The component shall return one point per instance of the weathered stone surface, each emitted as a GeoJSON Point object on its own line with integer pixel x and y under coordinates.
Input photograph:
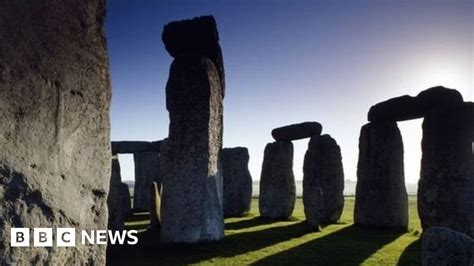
{"type": "Point", "coordinates": [277, 181]}
{"type": "Point", "coordinates": [54, 136]}
{"type": "Point", "coordinates": [197, 36]}
{"type": "Point", "coordinates": [135, 146]}
{"type": "Point", "coordinates": [446, 186]}
{"type": "Point", "coordinates": [297, 131]}
{"type": "Point", "coordinates": [147, 170]}
{"type": "Point", "coordinates": [115, 199]}
{"type": "Point", "coordinates": [191, 209]}
{"type": "Point", "coordinates": [407, 107]}
{"type": "Point", "coordinates": [381, 197]}
{"type": "Point", "coordinates": [313, 205]}
{"type": "Point", "coordinates": [125, 194]}
{"type": "Point", "coordinates": [323, 170]}
{"type": "Point", "coordinates": [155, 205]}
{"type": "Point", "coordinates": [237, 181]}
{"type": "Point", "coordinates": [442, 246]}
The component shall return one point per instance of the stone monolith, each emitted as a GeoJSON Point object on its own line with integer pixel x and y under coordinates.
{"type": "Point", "coordinates": [191, 206]}
{"type": "Point", "coordinates": [237, 181]}
{"type": "Point", "coordinates": [147, 170]}
{"type": "Point", "coordinates": [381, 197]}
{"type": "Point", "coordinates": [446, 185]}
{"type": "Point", "coordinates": [323, 170]}
{"type": "Point", "coordinates": [277, 181]}
{"type": "Point", "coordinates": [155, 205]}
{"type": "Point", "coordinates": [126, 202]}
{"type": "Point", "coordinates": [115, 199]}
{"type": "Point", "coordinates": [443, 246]}
{"type": "Point", "coordinates": [55, 155]}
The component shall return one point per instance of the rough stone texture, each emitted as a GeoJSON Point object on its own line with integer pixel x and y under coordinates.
{"type": "Point", "coordinates": [442, 246]}
{"type": "Point", "coordinates": [147, 170]}
{"type": "Point", "coordinates": [126, 202]}
{"type": "Point", "coordinates": [313, 204]}
{"type": "Point", "coordinates": [407, 107]}
{"type": "Point", "coordinates": [135, 146]}
{"type": "Point", "coordinates": [381, 197]}
{"type": "Point", "coordinates": [323, 170]}
{"type": "Point", "coordinates": [297, 131]}
{"type": "Point", "coordinates": [237, 181]}
{"type": "Point", "coordinates": [197, 36]}
{"type": "Point", "coordinates": [155, 205]}
{"type": "Point", "coordinates": [191, 209]}
{"type": "Point", "coordinates": [446, 186]}
{"type": "Point", "coordinates": [54, 137]}
{"type": "Point", "coordinates": [277, 181]}
{"type": "Point", "coordinates": [115, 204]}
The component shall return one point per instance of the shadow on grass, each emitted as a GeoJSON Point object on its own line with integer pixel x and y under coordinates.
{"type": "Point", "coordinates": [348, 246]}
{"type": "Point", "coordinates": [411, 255]}
{"type": "Point", "coordinates": [150, 249]}
{"type": "Point", "coordinates": [256, 221]}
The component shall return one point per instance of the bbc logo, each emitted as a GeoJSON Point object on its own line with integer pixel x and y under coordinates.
{"type": "Point", "coordinates": [43, 237]}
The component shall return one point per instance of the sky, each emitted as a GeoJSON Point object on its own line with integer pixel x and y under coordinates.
{"type": "Point", "coordinates": [293, 61]}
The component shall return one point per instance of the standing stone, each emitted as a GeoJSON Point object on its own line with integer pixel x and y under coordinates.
{"type": "Point", "coordinates": [237, 181]}
{"type": "Point", "coordinates": [323, 170]}
{"type": "Point", "coordinates": [277, 181]}
{"type": "Point", "coordinates": [381, 197]}
{"type": "Point", "coordinates": [192, 207]}
{"type": "Point", "coordinates": [313, 204]}
{"type": "Point", "coordinates": [147, 170]}
{"type": "Point", "coordinates": [115, 204]}
{"type": "Point", "coordinates": [446, 186]}
{"type": "Point", "coordinates": [442, 246]}
{"type": "Point", "coordinates": [297, 131]}
{"type": "Point", "coordinates": [126, 202]}
{"type": "Point", "coordinates": [54, 135]}
{"type": "Point", "coordinates": [197, 36]}
{"type": "Point", "coordinates": [155, 205]}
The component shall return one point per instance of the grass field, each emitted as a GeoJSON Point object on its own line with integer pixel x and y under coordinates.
{"type": "Point", "coordinates": [251, 240]}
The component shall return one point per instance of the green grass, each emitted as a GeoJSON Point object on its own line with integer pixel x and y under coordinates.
{"type": "Point", "coordinates": [251, 240]}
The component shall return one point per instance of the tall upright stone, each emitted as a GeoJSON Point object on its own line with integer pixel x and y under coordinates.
{"type": "Point", "coordinates": [115, 199]}
{"type": "Point", "coordinates": [381, 197]}
{"type": "Point", "coordinates": [277, 181]}
{"type": "Point", "coordinates": [237, 181]}
{"type": "Point", "coordinates": [191, 209]}
{"type": "Point", "coordinates": [126, 199]}
{"type": "Point", "coordinates": [155, 205]}
{"type": "Point", "coordinates": [443, 246]}
{"type": "Point", "coordinates": [147, 171]}
{"type": "Point", "coordinates": [197, 36]}
{"type": "Point", "coordinates": [323, 170]}
{"type": "Point", "coordinates": [54, 135]}
{"type": "Point", "coordinates": [446, 186]}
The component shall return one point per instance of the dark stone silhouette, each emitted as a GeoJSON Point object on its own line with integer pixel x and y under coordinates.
{"type": "Point", "coordinates": [115, 198]}
{"type": "Point", "coordinates": [237, 181]}
{"type": "Point", "coordinates": [407, 107]}
{"type": "Point", "coordinates": [313, 204]}
{"type": "Point", "coordinates": [277, 181]}
{"type": "Point", "coordinates": [297, 131]}
{"type": "Point", "coordinates": [147, 170]}
{"type": "Point", "coordinates": [323, 170]}
{"type": "Point", "coordinates": [446, 186]}
{"type": "Point", "coordinates": [155, 205]}
{"type": "Point", "coordinates": [381, 197]}
{"type": "Point", "coordinates": [191, 209]}
{"type": "Point", "coordinates": [442, 246]}
{"type": "Point", "coordinates": [54, 108]}
{"type": "Point", "coordinates": [197, 36]}
{"type": "Point", "coordinates": [135, 146]}
{"type": "Point", "coordinates": [125, 194]}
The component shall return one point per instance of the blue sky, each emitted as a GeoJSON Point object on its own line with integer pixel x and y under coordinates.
{"type": "Point", "coordinates": [293, 61]}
